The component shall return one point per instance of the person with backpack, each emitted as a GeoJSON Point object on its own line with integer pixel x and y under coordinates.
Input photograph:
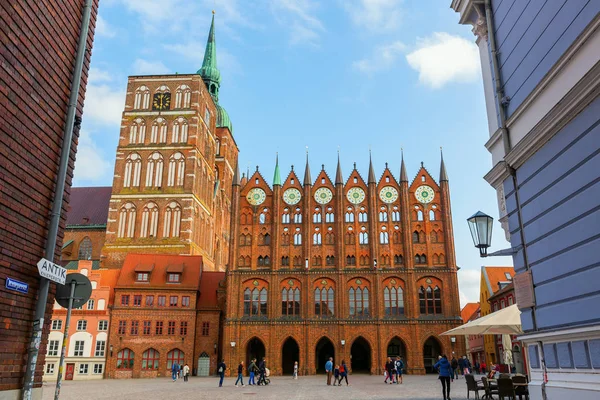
{"type": "Point", "coordinates": [221, 367]}
{"type": "Point", "coordinates": [174, 371]}
{"type": "Point", "coordinates": [252, 370]}
{"type": "Point", "coordinates": [445, 375]}
{"type": "Point", "coordinates": [343, 373]}
{"type": "Point", "coordinates": [399, 368]}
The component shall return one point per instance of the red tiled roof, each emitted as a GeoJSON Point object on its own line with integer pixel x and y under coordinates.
{"type": "Point", "coordinates": [467, 312]}
{"type": "Point", "coordinates": [497, 274]}
{"type": "Point", "coordinates": [208, 289]}
{"type": "Point", "coordinates": [190, 277]}
{"type": "Point", "coordinates": [88, 206]}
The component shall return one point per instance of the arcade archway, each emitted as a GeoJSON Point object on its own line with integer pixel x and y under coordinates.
{"type": "Point", "coordinates": [431, 351]}
{"type": "Point", "coordinates": [254, 349]}
{"type": "Point", "coordinates": [323, 351]}
{"type": "Point", "coordinates": [396, 348]}
{"type": "Point", "coordinates": [360, 356]}
{"type": "Point", "coordinates": [290, 353]}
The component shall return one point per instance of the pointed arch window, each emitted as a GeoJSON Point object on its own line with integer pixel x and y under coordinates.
{"type": "Point", "coordinates": [176, 174]}
{"type": "Point", "coordinates": [317, 216]}
{"type": "Point", "coordinates": [142, 98]}
{"type": "Point", "coordinates": [419, 215]}
{"type": "Point", "coordinates": [285, 239]}
{"type": "Point", "coordinates": [350, 238]}
{"type": "Point", "coordinates": [434, 237]}
{"type": "Point", "coordinates": [329, 217]}
{"type": "Point", "coordinates": [285, 261]}
{"type": "Point", "coordinates": [133, 170]}
{"type": "Point", "coordinates": [137, 131]}
{"type": "Point", "coordinates": [317, 261]}
{"type": "Point", "coordinates": [285, 217]}
{"type": "Point", "coordinates": [149, 221]}
{"type": "Point", "coordinates": [125, 358]}
{"type": "Point", "coordinates": [363, 217]}
{"type": "Point", "coordinates": [127, 221]}
{"type": "Point", "coordinates": [329, 238]}
{"type": "Point", "coordinates": [172, 222]}
{"type": "Point", "coordinates": [384, 238]}
{"type": "Point", "coordinates": [350, 260]}
{"type": "Point", "coordinates": [255, 302]}
{"type": "Point", "coordinates": [264, 239]}
{"type": "Point", "coordinates": [397, 237]}
{"type": "Point", "coordinates": [430, 300]}
{"type": "Point", "coordinates": [330, 260]}
{"type": "Point", "coordinates": [324, 302]}
{"type": "Point", "coordinates": [358, 299]}
{"type": "Point", "coordinates": [398, 259]}
{"type": "Point", "coordinates": [317, 238]}
{"type": "Point", "coordinates": [173, 356]}
{"type": "Point", "coordinates": [290, 302]}
{"type": "Point", "coordinates": [85, 249]}
{"type": "Point", "coordinates": [180, 131]}
{"type": "Point", "coordinates": [393, 298]}
{"type": "Point", "coordinates": [383, 216]}
{"type": "Point", "coordinates": [415, 237]}
{"type": "Point", "coordinates": [150, 359]}
{"type": "Point", "coordinates": [263, 218]}
{"type": "Point", "coordinates": [298, 217]}
{"type": "Point", "coordinates": [154, 170]}
{"type": "Point", "coordinates": [349, 216]}
{"type": "Point", "coordinates": [183, 96]}
{"type": "Point", "coordinates": [363, 238]}
{"type": "Point", "coordinates": [297, 239]}
{"type": "Point", "coordinates": [158, 134]}
{"type": "Point", "coordinates": [431, 215]}
{"type": "Point", "coordinates": [396, 216]}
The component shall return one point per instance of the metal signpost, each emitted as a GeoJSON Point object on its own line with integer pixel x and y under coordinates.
{"type": "Point", "coordinates": [75, 293]}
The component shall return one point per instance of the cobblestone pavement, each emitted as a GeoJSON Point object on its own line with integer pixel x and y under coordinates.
{"type": "Point", "coordinates": [310, 387]}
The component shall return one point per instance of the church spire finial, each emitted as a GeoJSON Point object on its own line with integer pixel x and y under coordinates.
{"type": "Point", "coordinates": [307, 178]}
{"type": "Point", "coordinates": [338, 175]}
{"type": "Point", "coordinates": [209, 71]}
{"type": "Point", "coordinates": [371, 172]}
{"type": "Point", "coordinates": [276, 176]}
{"type": "Point", "coordinates": [403, 176]}
{"type": "Point", "coordinates": [443, 176]}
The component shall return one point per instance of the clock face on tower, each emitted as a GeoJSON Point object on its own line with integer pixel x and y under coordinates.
{"type": "Point", "coordinates": [388, 194]}
{"type": "Point", "coordinates": [323, 195]}
{"type": "Point", "coordinates": [162, 101]}
{"type": "Point", "coordinates": [292, 196]}
{"type": "Point", "coordinates": [256, 196]}
{"type": "Point", "coordinates": [356, 195]}
{"type": "Point", "coordinates": [424, 194]}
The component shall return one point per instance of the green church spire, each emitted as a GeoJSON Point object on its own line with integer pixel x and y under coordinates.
{"type": "Point", "coordinates": [276, 176]}
{"type": "Point", "coordinates": [209, 71]}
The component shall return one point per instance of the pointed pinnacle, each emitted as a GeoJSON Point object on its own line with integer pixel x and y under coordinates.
{"type": "Point", "coordinates": [403, 176]}
{"type": "Point", "coordinates": [443, 176]}
{"type": "Point", "coordinates": [307, 178]}
{"type": "Point", "coordinates": [236, 175]}
{"type": "Point", "coordinates": [371, 172]}
{"type": "Point", "coordinates": [276, 175]}
{"type": "Point", "coordinates": [338, 175]}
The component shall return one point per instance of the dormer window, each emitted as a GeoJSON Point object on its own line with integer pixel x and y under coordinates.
{"type": "Point", "coordinates": [507, 275]}
{"type": "Point", "coordinates": [142, 277]}
{"type": "Point", "coordinates": [173, 278]}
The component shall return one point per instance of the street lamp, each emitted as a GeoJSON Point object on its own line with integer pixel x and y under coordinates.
{"type": "Point", "coordinates": [343, 342]}
{"type": "Point", "coordinates": [480, 225]}
{"type": "Point", "coordinates": [232, 344]}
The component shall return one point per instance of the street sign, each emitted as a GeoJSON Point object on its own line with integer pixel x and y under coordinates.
{"type": "Point", "coordinates": [52, 271]}
{"type": "Point", "coordinates": [16, 285]}
{"type": "Point", "coordinates": [82, 293]}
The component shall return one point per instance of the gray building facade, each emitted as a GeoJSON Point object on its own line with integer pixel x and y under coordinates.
{"type": "Point", "coordinates": [541, 70]}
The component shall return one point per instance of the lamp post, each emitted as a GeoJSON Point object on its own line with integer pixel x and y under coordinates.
{"type": "Point", "coordinates": [480, 225]}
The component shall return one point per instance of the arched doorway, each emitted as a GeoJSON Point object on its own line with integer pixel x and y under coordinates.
{"type": "Point", "coordinates": [360, 356]}
{"type": "Point", "coordinates": [254, 349]}
{"type": "Point", "coordinates": [290, 353]}
{"type": "Point", "coordinates": [396, 348]}
{"type": "Point", "coordinates": [431, 351]}
{"type": "Point", "coordinates": [323, 351]}
{"type": "Point", "coordinates": [203, 364]}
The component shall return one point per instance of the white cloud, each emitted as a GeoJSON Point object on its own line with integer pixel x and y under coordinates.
{"type": "Point", "coordinates": [143, 67]}
{"type": "Point", "coordinates": [90, 164]}
{"type": "Point", "coordinates": [103, 103]}
{"type": "Point", "coordinates": [103, 28]}
{"type": "Point", "coordinates": [383, 58]}
{"type": "Point", "coordinates": [443, 58]}
{"type": "Point", "coordinates": [468, 282]}
{"type": "Point", "coordinates": [375, 15]}
{"type": "Point", "coordinates": [298, 15]}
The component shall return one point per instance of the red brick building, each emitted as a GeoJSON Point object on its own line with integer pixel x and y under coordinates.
{"type": "Point", "coordinates": [166, 310]}
{"type": "Point", "coordinates": [38, 45]}
{"type": "Point", "coordinates": [351, 269]}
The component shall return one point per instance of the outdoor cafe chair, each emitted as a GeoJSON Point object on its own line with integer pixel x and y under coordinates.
{"type": "Point", "coordinates": [489, 391]}
{"type": "Point", "coordinates": [521, 389]}
{"type": "Point", "coordinates": [506, 389]}
{"type": "Point", "coordinates": [472, 386]}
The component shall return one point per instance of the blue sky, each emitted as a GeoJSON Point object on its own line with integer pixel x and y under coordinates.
{"type": "Point", "coordinates": [327, 74]}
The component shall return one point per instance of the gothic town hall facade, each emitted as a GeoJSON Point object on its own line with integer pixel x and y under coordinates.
{"type": "Point", "coordinates": [308, 267]}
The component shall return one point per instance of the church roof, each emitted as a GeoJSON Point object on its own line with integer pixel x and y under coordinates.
{"type": "Point", "coordinates": [223, 120]}
{"type": "Point", "coordinates": [209, 70]}
{"type": "Point", "coordinates": [88, 206]}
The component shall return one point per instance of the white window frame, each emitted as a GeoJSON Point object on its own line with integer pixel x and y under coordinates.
{"type": "Point", "coordinates": [82, 325]}
{"type": "Point", "coordinates": [83, 369]}
{"type": "Point", "coordinates": [79, 348]}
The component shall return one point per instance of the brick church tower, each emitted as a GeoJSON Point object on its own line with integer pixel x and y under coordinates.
{"type": "Point", "coordinates": [174, 168]}
{"type": "Point", "coordinates": [351, 269]}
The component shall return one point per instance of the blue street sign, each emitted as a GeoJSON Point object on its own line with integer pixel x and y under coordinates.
{"type": "Point", "coordinates": [16, 285]}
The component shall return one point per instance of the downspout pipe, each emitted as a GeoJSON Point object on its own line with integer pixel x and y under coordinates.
{"type": "Point", "coordinates": [57, 201]}
{"type": "Point", "coordinates": [502, 101]}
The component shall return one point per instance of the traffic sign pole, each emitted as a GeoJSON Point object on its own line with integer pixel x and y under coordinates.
{"type": "Point", "coordinates": [65, 341]}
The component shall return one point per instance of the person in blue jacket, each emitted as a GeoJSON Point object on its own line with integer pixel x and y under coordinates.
{"type": "Point", "coordinates": [443, 365]}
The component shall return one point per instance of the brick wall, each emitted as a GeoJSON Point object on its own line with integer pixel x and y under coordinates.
{"type": "Point", "coordinates": [37, 54]}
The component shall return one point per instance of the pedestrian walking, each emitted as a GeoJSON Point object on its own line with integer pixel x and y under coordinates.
{"type": "Point", "coordinates": [252, 369]}
{"type": "Point", "coordinates": [483, 367]}
{"type": "Point", "coordinates": [329, 370]}
{"type": "Point", "coordinates": [467, 365]}
{"type": "Point", "coordinates": [343, 373]}
{"type": "Point", "coordinates": [174, 371]}
{"type": "Point", "coordinates": [296, 370]}
{"type": "Point", "coordinates": [336, 374]}
{"type": "Point", "coordinates": [186, 372]}
{"type": "Point", "coordinates": [221, 371]}
{"type": "Point", "coordinates": [389, 368]}
{"type": "Point", "coordinates": [399, 368]}
{"type": "Point", "coordinates": [445, 375]}
{"type": "Point", "coordinates": [454, 365]}
{"type": "Point", "coordinates": [240, 377]}
{"type": "Point", "coordinates": [262, 368]}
